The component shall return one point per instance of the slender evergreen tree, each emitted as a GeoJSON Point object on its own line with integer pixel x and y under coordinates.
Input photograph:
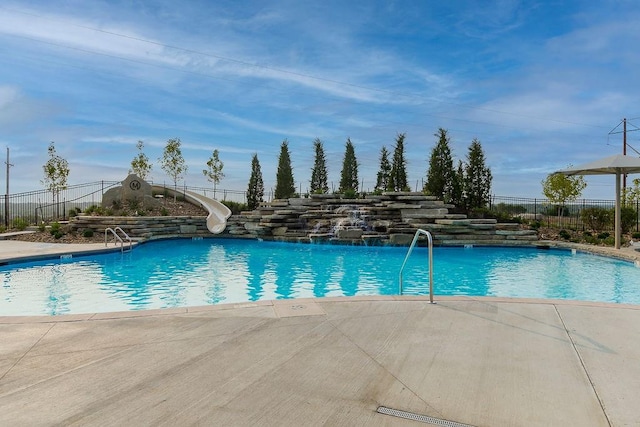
{"type": "Point", "coordinates": [255, 190]}
{"type": "Point", "coordinates": [285, 186]}
{"type": "Point", "coordinates": [477, 178]}
{"type": "Point", "coordinates": [441, 175]}
{"type": "Point", "coordinates": [384, 173]}
{"type": "Point", "coordinates": [318, 184]}
{"type": "Point", "coordinates": [349, 175]}
{"type": "Point", "coordinates": [398, 176]}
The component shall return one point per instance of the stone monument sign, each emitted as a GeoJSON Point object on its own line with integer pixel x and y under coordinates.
{"type": "Point", "coordinates": [133, 189]}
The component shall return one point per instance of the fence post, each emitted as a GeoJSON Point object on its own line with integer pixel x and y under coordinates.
{"type": "Point", "coordinates": [6, 210]}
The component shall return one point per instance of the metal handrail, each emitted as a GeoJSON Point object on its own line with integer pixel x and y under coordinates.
{"type": "Point", "coordinates": [413, 243]}
{"type": "Point", "coordinates": [115, 234]}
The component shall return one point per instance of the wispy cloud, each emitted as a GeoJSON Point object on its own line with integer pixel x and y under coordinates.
{"type": "Point", "coordinates": [538, 83]}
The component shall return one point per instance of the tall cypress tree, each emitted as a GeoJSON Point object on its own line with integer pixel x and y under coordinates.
{"type": "Point", "coordinates": [441, 175]}
{"type": "Point", "coordinates": [384, 173]}
{"type": "Point", "coordinates": [349, 175]}
{"type": "Point", "coordinates": [477, 179]}
{"type": "Point", "coordinates": [285, 187]}
{"type": "Point", "coordinates": [398, 176]}
{"type": "Point", "coordinates": [318, 184]}
{"type": "Point", "coordinates": [255, 189]}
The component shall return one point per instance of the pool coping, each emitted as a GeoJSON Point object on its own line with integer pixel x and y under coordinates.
{"type": "Point", "coordinates": [296, 307]}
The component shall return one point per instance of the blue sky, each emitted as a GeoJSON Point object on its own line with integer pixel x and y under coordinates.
{"type": "Point", "coordinates": [540, 83]}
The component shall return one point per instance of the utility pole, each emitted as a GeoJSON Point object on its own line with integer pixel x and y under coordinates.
{"type": "Point", "coordinates": [624, 131]}
{"type": "Point", "coordinates": [6, 195]}
{"type": "Point", "coordinates": [624, 150]}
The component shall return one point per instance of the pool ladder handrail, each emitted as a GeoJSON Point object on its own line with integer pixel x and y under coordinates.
{"type": "Point", "coordinates": [413, 243]}
{"type": "Point", "coordinates": [114, 231]}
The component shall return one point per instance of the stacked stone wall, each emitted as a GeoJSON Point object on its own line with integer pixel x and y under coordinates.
{"type": "Point", "coordinates": [389, 218]}
{"type": "Point", "coordinates": [143, 227]}
{"type": "Point", "coordinates": [386, 219]}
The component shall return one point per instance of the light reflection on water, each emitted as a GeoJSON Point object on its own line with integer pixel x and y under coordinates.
{"type": "Point", "coordinates": [179, 273]}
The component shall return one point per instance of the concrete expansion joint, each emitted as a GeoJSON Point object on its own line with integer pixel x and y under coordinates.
{"type": "Point", "coordinates": [26, 352]}
{"type": "Point", "coordinates": [582, 364]}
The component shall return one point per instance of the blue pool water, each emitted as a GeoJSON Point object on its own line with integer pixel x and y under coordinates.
{"type": "Point", "coordinates": [178, 273]}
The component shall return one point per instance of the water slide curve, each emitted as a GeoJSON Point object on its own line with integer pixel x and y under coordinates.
{"type": "Point", "coordinates": [218, 213]}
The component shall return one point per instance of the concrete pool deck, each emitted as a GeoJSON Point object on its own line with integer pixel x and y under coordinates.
{"type": "Point", "coordinates": [334, 361]}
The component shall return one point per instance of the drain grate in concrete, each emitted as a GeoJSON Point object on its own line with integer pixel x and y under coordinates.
{"type": "Point", "coordinates": [417, 417]}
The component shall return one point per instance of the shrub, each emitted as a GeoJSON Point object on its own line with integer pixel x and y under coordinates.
{"type": "Point", "coordinates": [87, 233]}
{"type": "Point", "coordinates": [628, 218]}
{"type": "Point", "coordinates": [591, 239]}
{"type": "Point", "coordinates": [55, 227]}
{"type": "Point", "coordinates": [596, 218]}
{"type": "Point", "coordinates": [235, 207]}
{"type": "Point", "coordinates": [603, 235]}
{"type": "Point", "coordinates": [19, 224]}
{"type": "Point", "coordinates": [95, 210]}
{"type": "Point", "coordinates": [564, 234]}
{"type": "Point", "coordinates": [56, 230]}
{"type": "Point", "coordinates": [350, 193]}
{"type": "Point", "coordinates": [134, 204]}
{"type": "Point", "coordinates": [636, 235]}
{"type": "Point", "coordinates": [164, 212]}
{"type": "Point", "coordinates": [42, 227]}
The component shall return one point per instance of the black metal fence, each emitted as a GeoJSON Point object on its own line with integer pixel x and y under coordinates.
{"type": "Point", "coordinates": [568, 215]}
{"type": "Point", "coordinates": [35, 207]}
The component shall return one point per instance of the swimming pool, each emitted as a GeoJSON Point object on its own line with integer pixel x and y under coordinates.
{"type": "Point", "coordinates": [182, 272]}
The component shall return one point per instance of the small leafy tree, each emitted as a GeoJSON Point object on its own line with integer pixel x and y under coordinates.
{"type": "Point", "coordinates": [384, 173]}
{"type": "Point", "coordinates": [398, 176]}
{"type": "Point", "coordinates": [477, 178]}
{"type": "Point", "coordinates": [255, 190]}
{"type": "Point", "coordinates": [172, 162]}
{"type": "Point", "coordinates": [349, 175]}
{"type": "Point", "coordinates": [560, 188]}
{"type": "Point", "coordinates": [285, 187]}
{"type": "Point", "coordinates": [56, 172]}
{"type": "Point", "coordinates": [319, 174]}
{"type": "Point", "coordinates": [140, 164]}
{"type": "Point", "coordinates": [214, 173]}
{"type": "Point", "coordinates": [441, 175]}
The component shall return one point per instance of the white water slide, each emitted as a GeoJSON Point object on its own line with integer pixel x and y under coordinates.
{"type": "Point", "coordinates": [218, 213]}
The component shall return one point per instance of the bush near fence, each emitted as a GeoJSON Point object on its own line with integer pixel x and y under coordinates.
{"type": "Point", "coordinates": [574, 215]}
